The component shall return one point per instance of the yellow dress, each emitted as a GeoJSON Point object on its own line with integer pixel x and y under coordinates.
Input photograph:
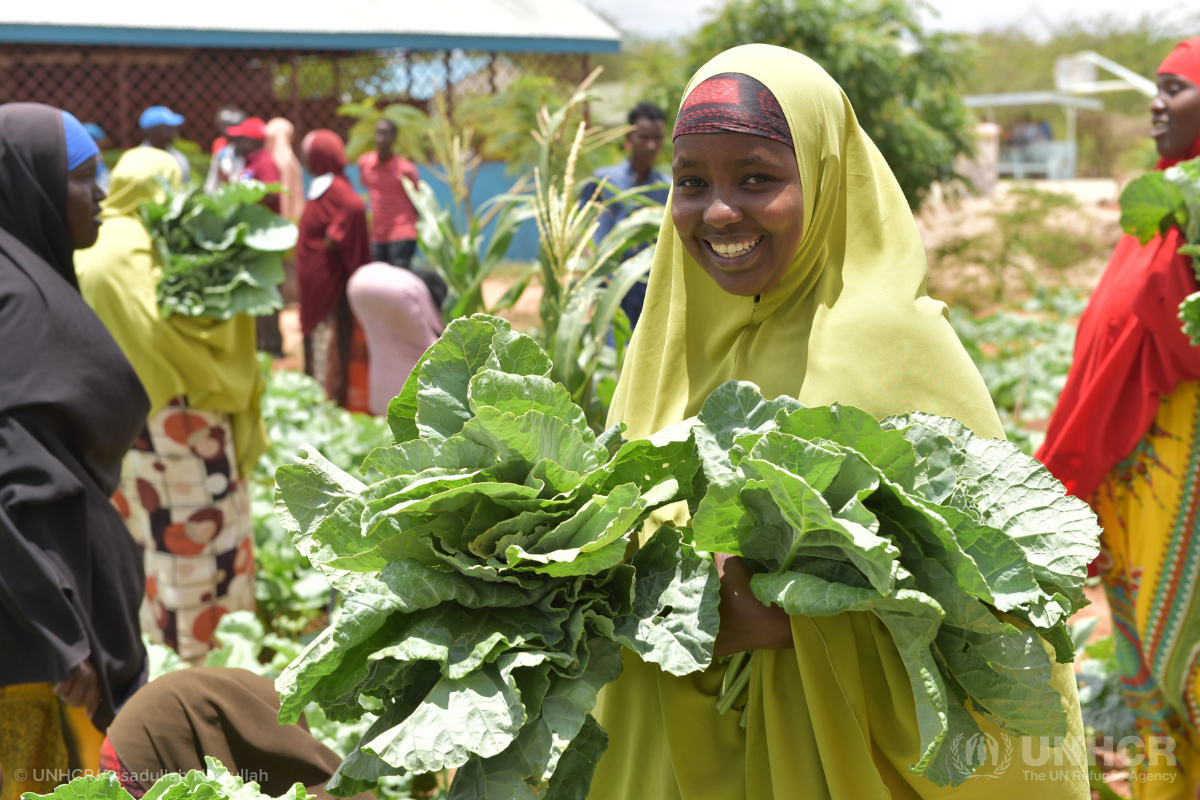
{"type": "Point", "coordinates": [1149, 562]}
{"type": "Point", "coordinates": [834, 717]}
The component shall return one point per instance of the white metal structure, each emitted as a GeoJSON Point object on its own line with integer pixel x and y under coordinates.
{"type": "Point", "coordinates": [1077, 74]}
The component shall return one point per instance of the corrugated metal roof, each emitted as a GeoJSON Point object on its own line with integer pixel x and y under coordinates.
{"type": "Point", "coordinates": [562, 26]}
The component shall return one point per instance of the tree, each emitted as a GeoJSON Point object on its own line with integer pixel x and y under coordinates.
{"type": "Point", "coordinates": [903, 81]}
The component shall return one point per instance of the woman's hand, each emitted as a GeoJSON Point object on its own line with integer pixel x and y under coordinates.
{"type": "Point", "coordinates": [746, 623]}
{"type": "Point", "coordinates": [330, 245]}
{"type": "Point", "coordinates": [81, 688]}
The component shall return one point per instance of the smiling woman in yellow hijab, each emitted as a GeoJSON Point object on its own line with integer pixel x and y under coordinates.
{"type": "Point", "coordinates": [183, 491]}
{"type": "Point", "coordinates": [790, 259]}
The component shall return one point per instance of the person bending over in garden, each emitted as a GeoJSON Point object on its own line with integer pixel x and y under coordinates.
{"type": "Point", "coordinates": [183, 490]}
{"type": "Point", "coordinates": [226, 713]}
{"type": "Point", "coordinates": [393, 215]}
{"type": "Point", "coordinates": [1124, 437]}
{"type": "Point", "coordinates": [400, 319]}
{"type": "Point", "coordinates": [333, 244]}
{"type": "Point", "coordinates": [70, 408]}
{"type": "Point", "coordinates": [790, 259]}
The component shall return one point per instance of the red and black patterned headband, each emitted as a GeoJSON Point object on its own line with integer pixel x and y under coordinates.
{"type": "Point", "coordinates": [733, 103]}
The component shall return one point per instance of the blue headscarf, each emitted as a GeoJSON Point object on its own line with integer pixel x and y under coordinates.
{"type": "Point", "coordinates": [80, 144]}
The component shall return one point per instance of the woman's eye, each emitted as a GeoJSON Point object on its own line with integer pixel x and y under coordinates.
{"type": "Point", "coordinates": [690, 183]}
{"type": "Point", "coordinates": [756, 180]}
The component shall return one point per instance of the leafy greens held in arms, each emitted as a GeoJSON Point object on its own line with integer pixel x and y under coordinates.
{"type": "Point", "coordinates": [487, 586]}
{"type": "Point", "coordinates": [1151, 204]}
{"type": "Point", "coordinates": [215, 783]}
{"type": "Point", "coordinates": [222, 254]}
{"type": "Point", "coordinates": [921, 522]}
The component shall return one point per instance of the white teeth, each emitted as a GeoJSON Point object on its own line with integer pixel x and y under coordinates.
{"type": "Point", "coordinates": [735, 249]}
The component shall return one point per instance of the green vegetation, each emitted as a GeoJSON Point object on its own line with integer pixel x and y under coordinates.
{"type": "Point", "coordinates": [1023, 354]}
{"type": "Point", "coordinates": [488, 591]}
{"type": "Point", "coordinates": [216, 783]}
{"type": "Point", "coordinates": [292, 596]}
{"type": "Point", "coordinates": [1023, 242]}
{"type": "Point", "coordinates": [1153, 203]}
{"type": "Point", "coordinates": [222, 254]}
{"type": "Point", "coordinates": [921, 522]}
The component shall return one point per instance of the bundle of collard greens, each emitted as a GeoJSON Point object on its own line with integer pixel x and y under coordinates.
{"type": "Point", "coordinates": [923, 523]}
{"type": "Point", "coordinates": [487, 588]}
{"type": "Point", "coordinates": [215, 783]}
{"type": "Point", "coordinates": [1153, 203]}
{"type": "Point", "coordinates": [222, 254]}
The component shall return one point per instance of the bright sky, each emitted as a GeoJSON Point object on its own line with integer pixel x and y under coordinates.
{"type": "Point", "coordinates": [656, 18]}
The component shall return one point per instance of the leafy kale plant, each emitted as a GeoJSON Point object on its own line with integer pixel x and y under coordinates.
{"type": "Point", "coordinates": [222, 254]}
{"type": "Point", "coordinates": [1151, 204]}
{"type": "Point", "coordinates": [215, 783]}
{"type": "Point", "coordinates": [921, 522]}
{"type": "Point", "coordinates": [487, 585]}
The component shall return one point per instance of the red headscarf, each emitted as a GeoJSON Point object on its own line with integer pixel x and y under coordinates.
{"type": "Point", "coordinates": [338, 214]}
{"type": "Point", "coordinates": [325, 152]}
{"type": "Point", "coordinates": [1183, 61]}
{"type": "Point", "coordinates": [1130, 351]}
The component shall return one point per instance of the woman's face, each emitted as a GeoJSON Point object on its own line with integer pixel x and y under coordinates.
{"type": "Point", "coordinates": [83, 204]}
{"type": "Point", "coordinates": [1175, 115]}
{"type": "Point", "coordinates": [738, 207]}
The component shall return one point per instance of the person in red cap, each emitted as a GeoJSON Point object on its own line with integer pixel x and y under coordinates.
{"type": "Point", "coordinates": [1124, 437]}
{"type": "Point", "coordinates": [248, 138]}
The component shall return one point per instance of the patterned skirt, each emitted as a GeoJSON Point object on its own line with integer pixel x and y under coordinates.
{"type": "Point", "coordinates": [184, 504]}
{"type": "Point", "coordinates": [1149, 563]}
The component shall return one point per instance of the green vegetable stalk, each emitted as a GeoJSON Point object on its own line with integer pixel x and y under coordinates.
{"type": "Point", "coordinates": [222, 254]}
{"type": "Point", "coordinates": [919, 521]}
{"type": "Point", "coordinates": [487, 577]}
{"type": "Point", "coordinates": [1151, 204]}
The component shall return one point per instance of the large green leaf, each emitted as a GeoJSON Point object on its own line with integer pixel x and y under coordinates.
{"type": "Point", "coordinates": [1017, 495]}
{"type": "Point", "coordinates": [734, 409]}
{"type": "Point", "coordinates": [812, 525]}
{"type": "Point", "coordinates": [461, 351]}
{"type": "Point", "coordinates": [478, 715]}
{"type": "Point", "coordinates": [1149, 205]}
{"type": "Point", "coordinates": [674, 619]}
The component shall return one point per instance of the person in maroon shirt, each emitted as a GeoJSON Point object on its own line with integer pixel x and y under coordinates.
{"type": "Point", "coordinates": [333, 243]}
{"type": "Point", "coordinates": [248, 138]}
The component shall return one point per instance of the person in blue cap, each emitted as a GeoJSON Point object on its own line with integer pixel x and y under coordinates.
{"type": "Point", "coordinates": [160, 127]}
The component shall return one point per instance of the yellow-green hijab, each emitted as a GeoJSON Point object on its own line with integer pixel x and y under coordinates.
{"type": "Point", "coordinates": [850, 321]}
{"type": "Point", "coordinates": [832, 718]}
{"type": "Point", "coordinates": [212, 363]}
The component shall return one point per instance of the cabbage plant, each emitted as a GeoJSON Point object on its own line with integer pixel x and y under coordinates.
{"type": "Point", "coordinates": [221, 254]}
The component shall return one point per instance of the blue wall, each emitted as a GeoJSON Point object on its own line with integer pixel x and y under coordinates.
{"type": "Point", "coordinates": [492, 179]}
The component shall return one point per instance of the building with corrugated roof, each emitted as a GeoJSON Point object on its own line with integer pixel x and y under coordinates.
{"type": "Point", "coordinates": [300, 59]}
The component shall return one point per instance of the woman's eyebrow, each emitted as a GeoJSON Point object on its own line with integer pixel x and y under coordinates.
{"type": "Point", "coordinates": [686, 163]}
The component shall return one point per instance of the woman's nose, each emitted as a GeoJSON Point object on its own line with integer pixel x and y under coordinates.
{"type": "Point", "coordinates": [1158, 104]}
{"type": "Point", "coordinates": [719, 214]}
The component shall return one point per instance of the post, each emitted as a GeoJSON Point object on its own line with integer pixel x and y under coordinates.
{"type": "Point", "coordinates": [492, 74]}
{"type": "Point", "coordinates": [1071, 112]}
{"type": "Point", "coordinates": [296, 121]}
{"type": "Point", "coordinates": [449, 84]}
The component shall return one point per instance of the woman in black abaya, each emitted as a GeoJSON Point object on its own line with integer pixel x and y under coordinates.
{"type": "Point", "coordinates": [70, 408]}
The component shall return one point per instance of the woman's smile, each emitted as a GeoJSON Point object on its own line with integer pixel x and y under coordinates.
{"type": "Point", "coordinates": [731, 252]}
